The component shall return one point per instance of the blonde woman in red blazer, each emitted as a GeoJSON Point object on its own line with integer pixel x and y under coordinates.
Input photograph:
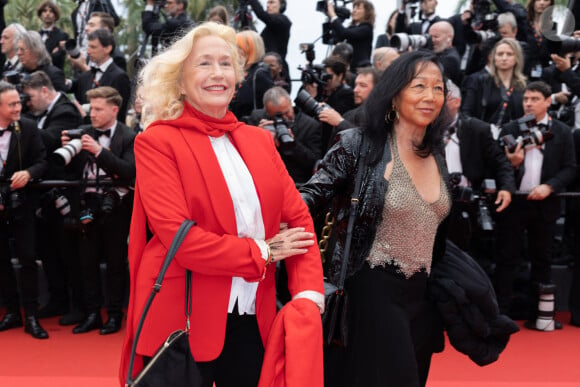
{"type": "Point", "coordinates": [196, 161]}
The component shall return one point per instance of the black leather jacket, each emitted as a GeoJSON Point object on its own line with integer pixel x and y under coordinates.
{"type": "Point", "coordinates": [334, 181]}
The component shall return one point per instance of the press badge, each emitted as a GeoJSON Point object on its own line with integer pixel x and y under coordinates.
{"type": "Point", "coordinates": [536, 71]}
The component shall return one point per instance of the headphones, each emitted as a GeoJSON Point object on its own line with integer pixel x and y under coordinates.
{"type": "Point", "coordinates": [282, 6]}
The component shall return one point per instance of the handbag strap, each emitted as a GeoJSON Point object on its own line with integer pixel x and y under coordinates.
{"type": "Point", "coordinates": [352, 214]}
{"type": "Point", "coordinates": [177, 240]}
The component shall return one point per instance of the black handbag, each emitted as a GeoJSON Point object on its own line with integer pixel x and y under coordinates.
{"type": "Point", "coordinates": [172, 365]}
{"type": "Point", "coordinates": [335, 316]}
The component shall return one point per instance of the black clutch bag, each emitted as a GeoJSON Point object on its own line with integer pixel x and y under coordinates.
{"type": "Point", "coordinates": [172, 365]}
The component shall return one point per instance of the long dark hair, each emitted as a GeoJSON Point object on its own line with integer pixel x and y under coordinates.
{"type": "Point", "coordinates": [380, 101]}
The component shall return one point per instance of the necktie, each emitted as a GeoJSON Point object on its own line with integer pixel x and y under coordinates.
{"type": "Point", "coordinates": [103, 133]}
{"type": "Point", "coordinates": [95, 70]}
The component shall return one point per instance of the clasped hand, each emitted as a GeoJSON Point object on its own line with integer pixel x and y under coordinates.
{"type": "Point", "coordinates": [289, 242]}
{"type": "Point", "coordinates": [87, 142]}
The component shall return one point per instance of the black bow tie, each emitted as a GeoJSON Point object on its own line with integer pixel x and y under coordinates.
{"type": "Point", "coordinates": [44, 32]}
{"type": "Point", "coordinates": [103, 133]}
{"type": "Point", "coordinates": [96, 69]}
{"type": "Point", "coordinates": [2, 131]}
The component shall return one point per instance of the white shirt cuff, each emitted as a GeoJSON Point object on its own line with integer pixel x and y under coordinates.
{"type": "Point", "coordinates": [263, 246]}
{"type": "Point", "coordinates": [148, 8]}
{"type": "Point", "coordinates": [317, 298]}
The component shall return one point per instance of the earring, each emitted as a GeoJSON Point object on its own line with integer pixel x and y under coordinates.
{"type": "Point", "coordinates": [392, 115]}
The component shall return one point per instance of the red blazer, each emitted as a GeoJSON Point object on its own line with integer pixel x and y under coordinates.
{"type": "Point", "coordinates": [178, 177]}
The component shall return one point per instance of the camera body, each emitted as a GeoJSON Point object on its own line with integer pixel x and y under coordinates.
{"type": "Point", "coordinates": [312, 73]}
{"type": "Point", "coordinates": [95, 204]}
{"type": "Point", "coordinates": [342, 12]}
{"type": "Point", "coordinates": [281, 133]}
{"type": "Point", "coordinates": [10, 201]}
{"type": "Point", "coordinates": [483, 199]}
{"type": "Point", "coordinates": [483, 18]}
{"type": "Point", "coordinates": [15, 78]}
{"type": "Point", "coordinates": [531, 135]}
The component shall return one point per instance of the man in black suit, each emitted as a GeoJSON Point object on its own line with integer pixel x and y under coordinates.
{"type": "Point", "coordinates": [176, 25]}
{"type": "Point", "coordinates": [104, 72]}
{"type": "Point", "coordinates": [427, 18]}
{"type": "Point", "coordinates": [52, 36]}
{"type": "Point", "coordinates": [96, 21]}
{"type": "Point", "coordinates": [57, 248]}
{"type": "Point", "coordinates": [442, 37]}
{"type": "Point", "coordinates": [107, 154]}
{"type": "Point", "coordinates": [472, 152]}
{"type": "Point", "coordinates": [541, 171]}
{"type": "Point", "coordinates": [81, 14]}
{"type": "Point", "coordinates": [563, 76]}
{"type": "Point", "coordinates": [301, 154]}
{"type": "Point", "coordinates": [34, 57]}
{"type": "Point", "coordinates": [23, 159]}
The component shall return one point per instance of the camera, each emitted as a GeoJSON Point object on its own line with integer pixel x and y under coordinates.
{"type": "Point", "coordinates": [10, 201]}
{"type": "Point", "coordinates": [482, 198]}
{"type": "Point", "coordinates": [402, 41]}
{"type": "Point", "coordinates": [309, 105]}
{"type": "Point", "coordinates": [63, 156]}
{"type": "Point", "coordinates": [342, 12]}
{"type": "Point", "coordinates": [243, 16]}
{"type": "Point", "coordinates": [482, 37]}
{"type": "Point", "coordinates": [109, 200]}
{"type": "Point", "coordinates": [55, 198]}
{"type": "Point", "coordinates": [282, 133]}
{"type": "Point", "coordinates": [158, 5]}
{"type": "Point", "coordinates": [16, 78]}
{"type": "Point", "coordinates": [72, 48]}
{"type": "Point", "coordinates": [532, 134]}
{"type": "Point", "coordinates": [483, 19]}
{"type": "Point", "coordinates": [563, 45]}
{"type": "Point", "coordinates": [312, 73]}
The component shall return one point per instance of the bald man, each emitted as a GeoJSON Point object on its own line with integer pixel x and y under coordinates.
{"type": "Point", "coordinates": [442, 37]}
{"type": "Point", "coordinates": [382, 58]}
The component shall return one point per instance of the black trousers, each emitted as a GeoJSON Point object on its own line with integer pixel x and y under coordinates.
{"type": "Point", "coordinates": [21, 230]}
{"type": "Point", "coordinates": [522, 215]}
{"type": "Point", "coordinates": [393, 330]}
{"type": "Point", "coordinates": [105, 237]}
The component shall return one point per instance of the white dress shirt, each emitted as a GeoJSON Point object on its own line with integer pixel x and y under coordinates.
{"type": "Point", "coordinates": [533, 160]}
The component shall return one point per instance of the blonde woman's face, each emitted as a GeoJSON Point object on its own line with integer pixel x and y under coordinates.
{"type": "Point", "coordinates": [505, 57]}
{"type": "Point", "coordinates": [209, 77]}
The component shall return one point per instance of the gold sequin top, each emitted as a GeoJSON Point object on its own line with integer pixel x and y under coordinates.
{"type": "Point", "coordinates": [406, 235]}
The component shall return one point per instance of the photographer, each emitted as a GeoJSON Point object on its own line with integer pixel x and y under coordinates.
{"type": "Point", "coordinates": [22, 159]}
{"type": "Point", "coordinates": [471, 151]}
{"type": "Point", "coordinates": [33, 55]}
{"type": "Point", "coordinates": [106, 153]}
{"type": "Point", "coordinates": [104, 72]}
{"type": "Point", "coordinates": [56, 247]}
{"type": "Point", "coordinates": [276, 33]}
{"type": "Point", "coordinates": [177, 21]}
{"type": "Point", "coordinates": [427, 17]}
{"type": "Point", "coordinates": [360, 32]}
{"type": "Point", "coordinates": [541, 169]}
{"type": "Point", "coordinates": [297, 140]}
{"type": "Point", "coordinates": [442, 37]}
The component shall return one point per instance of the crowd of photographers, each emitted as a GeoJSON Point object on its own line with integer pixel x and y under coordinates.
{"type": "Point", "coordinates": [68, 164]}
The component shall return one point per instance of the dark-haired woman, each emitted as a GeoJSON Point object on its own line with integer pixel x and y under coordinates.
{"type": "Point", "coordinates": [404, 198]}
{"type": "Point", "coordinates": [539, 52]}
{"type": "Point", "coordinates": [359, 34]}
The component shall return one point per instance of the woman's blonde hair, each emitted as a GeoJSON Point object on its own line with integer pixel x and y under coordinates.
{"type": "Point", "coordinates": [518, 77]}
{"type": "Point", "coordinates": [160, 79]}
{"type": "Point", "coordinates": [252, 44]}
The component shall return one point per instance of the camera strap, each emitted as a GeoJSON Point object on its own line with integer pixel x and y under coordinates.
{"type": "Point", "coordinates": [505, 96]}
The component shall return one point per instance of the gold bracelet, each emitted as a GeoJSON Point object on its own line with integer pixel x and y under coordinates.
{"type": "Point", "coordinates": [270, 256]}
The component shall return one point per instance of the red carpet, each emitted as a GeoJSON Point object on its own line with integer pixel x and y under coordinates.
{"type": "Point", "coordinates": [532, 359]}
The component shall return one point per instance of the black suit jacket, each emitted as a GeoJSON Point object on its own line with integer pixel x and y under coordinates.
{"type": "Point", "coordinates": [55, 36]}
{"type": "Point", "coordinates": [414, 28]}
{"type": "Point", "coordinates": [63, 115]}
{"type": "Point", "coordinates": [451, 62]}
{"type": "Point", "coordinates": [481, 157]}
{"type": "Point", "coordinates": [167, 32]}
{"type": "Point", "coordinates": [558, 167]}
{"type": "Point", "coordinates": [32, 155]}
{"type": "Point", "coordinates": [114, 77]}
{"type": "Point", "coordinates": [118, 162]}
{"type": "Point", "coordinates": [360, 37]}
